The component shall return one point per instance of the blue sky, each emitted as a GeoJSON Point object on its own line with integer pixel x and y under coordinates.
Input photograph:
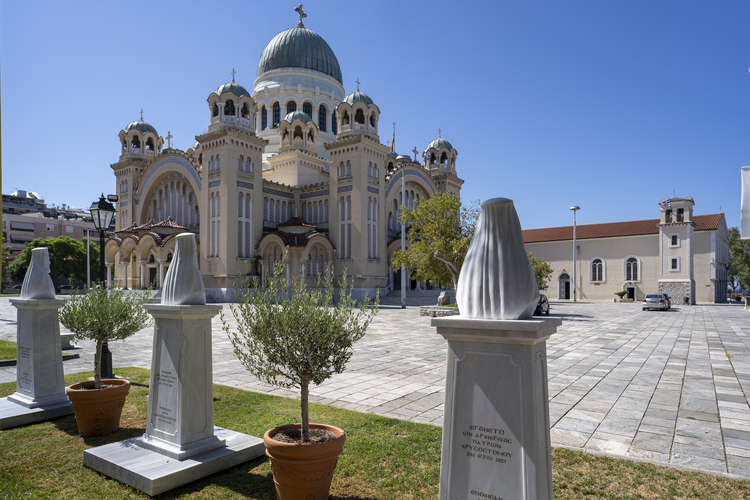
{"type": "Point", "coordinates": [612, 106]}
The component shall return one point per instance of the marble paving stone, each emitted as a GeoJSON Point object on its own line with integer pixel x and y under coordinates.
{"type": "Point", "coordinates": [13, 414]}
{"type": "Point", "coordinates": [652, 442]}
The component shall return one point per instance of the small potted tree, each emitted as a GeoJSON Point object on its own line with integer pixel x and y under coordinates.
{"type": "Point", "coordinates": [102, 315]}
{"type": "Point", "coordinates": [290, 336]}
{"type": "Point", "coordinates": [621, 294]}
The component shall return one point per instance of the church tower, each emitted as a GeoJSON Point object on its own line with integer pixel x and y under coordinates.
{"type": "Point", "coordinates": [440, 162]}
{"type": "Point", "coordinates": [357, 179]}
{"type": "Point", "coordinates": [139, 145]}
{"type": "Point", "coordinates": [231, 187]}
{"type": "Point", "coordinates": [676, 237]}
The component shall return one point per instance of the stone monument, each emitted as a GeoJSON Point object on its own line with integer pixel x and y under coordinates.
{"type": "Point", "coordinates": [181, 443]}
{"type": "Point", "coordinates": [496, 442]}
{"type": "Point", "coordinates": [40, 388]}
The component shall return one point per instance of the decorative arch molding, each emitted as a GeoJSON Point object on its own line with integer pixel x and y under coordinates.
{"type": "Point", "coordinates": [395, 181]}
{"type": "Point", "coordinates": [626, 263]}
{"type": "Point", "coordinates": [156, 170]}
{"type": "Point", "coordinates": [597, 270]}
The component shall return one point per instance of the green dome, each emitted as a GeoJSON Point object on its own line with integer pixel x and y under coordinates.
{"type": "Point", "coordinates": [141, 127]}
{"type": "Point", "coordinates": [358, 97]}
{"type": "Point", "coordinates": [392, 154]}
{"type": "Point", "coordinates": [235, 88]}
{"type": "Point", "coordinates": [196, 146]}
{"type": "Point", "coordinates": [297, 115]}
{"type": "Point", "coordinates": [299, 48]}
{"type": "Point", "coordinates": [440, 143]}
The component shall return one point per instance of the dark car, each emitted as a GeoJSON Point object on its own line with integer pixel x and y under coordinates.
{"type": "Point", "coordinates": [542, 306]}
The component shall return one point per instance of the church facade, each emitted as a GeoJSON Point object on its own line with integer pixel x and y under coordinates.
{"type": "Point", "coordinates": [296, 164]}
{"type": "Point", "coordinates": [680, 254]}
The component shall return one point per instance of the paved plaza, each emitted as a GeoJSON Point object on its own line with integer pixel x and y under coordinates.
{"type": "Point", "coordinates": [664, 387]}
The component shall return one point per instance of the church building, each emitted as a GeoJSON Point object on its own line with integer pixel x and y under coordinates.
{"type": "Point", "coordinates": [295, 164]}
{"type": "Point", "coordinates": [681, 254]}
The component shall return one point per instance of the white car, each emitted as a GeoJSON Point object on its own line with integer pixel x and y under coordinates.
{"type": "Point", "coordinates": [656, 301]}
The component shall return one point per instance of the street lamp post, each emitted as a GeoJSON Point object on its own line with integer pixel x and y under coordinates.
{"type": "Point", "coordinates": [575, 279]}
{"type": "Point", "coordinates": [403, 159]}
{"type": "Point", "coordinates": [102, 212]}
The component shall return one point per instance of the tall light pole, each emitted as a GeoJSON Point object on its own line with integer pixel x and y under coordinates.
{"type": "Point", "coordinates": [575, 278]}
{"type": "Point", "coordinates": [404, 160]}
{"type": "Point", "coordinates": [102, 212]}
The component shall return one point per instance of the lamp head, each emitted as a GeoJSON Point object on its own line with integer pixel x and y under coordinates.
{"type": "Point", "coordinates": [575, 207]}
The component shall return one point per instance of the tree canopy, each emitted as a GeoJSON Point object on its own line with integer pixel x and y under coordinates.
{"type": "Point", "coordinates": [439, 231]}
{"type": "Point", "coordinates": [542, 271]}
{"type": "Point", "coordinates": [739, 260]}
{"type": "Point", "coordinates": [67, 258]}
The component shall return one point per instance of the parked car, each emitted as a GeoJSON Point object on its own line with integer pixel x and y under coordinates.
{"type": "Point", "coordinates": [542, 306]}
{"type": "Point", "coordinates": [656, 301]}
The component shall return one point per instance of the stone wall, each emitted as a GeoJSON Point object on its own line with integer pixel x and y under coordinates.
{"type": "Point", "coordinates": [678, 290]}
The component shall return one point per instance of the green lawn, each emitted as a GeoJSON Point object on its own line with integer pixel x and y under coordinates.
{"type": "Point", "coordinates": [7, 349]}
{"type": "Point", "coordinates": [383, 458]}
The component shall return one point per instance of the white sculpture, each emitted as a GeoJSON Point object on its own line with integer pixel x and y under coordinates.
{"type": "Point", "coordinates": [37, 284]}
{"type": "Point", "coordinates": [497, 280]}
{"type": "Point", "coordinates": [183, 284]}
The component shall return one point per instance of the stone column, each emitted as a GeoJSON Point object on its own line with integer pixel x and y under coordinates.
{"type": "Point", "coordinates": [162, 271]}
{"type": "Point", "coordinates": [40, 388]}
{"type": "Point", "coordinates": [108, 284]}
{"type": "Point", "coordinates": [125, 275]}
{"type": "Point", "coordinates": [181, 412]}
{"type": "Point", "coordinates": [496, 441]}
{"type": "Point", "coordinates": [144, 274]}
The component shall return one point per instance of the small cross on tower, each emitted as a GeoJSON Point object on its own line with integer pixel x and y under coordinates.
{"type": "Point", "coordinates": [357, 84]}
{"type": "Point", "coordinates": [233, 72]}
{"type": "Point", "coordinates": [141, 115]}
{"type": "Point", "coordinates": [415, 151]}
{"type": "Point", "coordinates": [169, 139]}
{"type": "Point", "coordinates": [302, 15]}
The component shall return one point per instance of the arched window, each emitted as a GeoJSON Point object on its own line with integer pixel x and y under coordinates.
{"type": "Point", "coordinates": [291, 107]}
{"type": "Point", "coordinates": [229, 108]}
{"type": "Point", "coordinates": [265, 209]}
{"type": "Point", "coordinates": [276, 114]}
{"type": "Point", "coordinates": [149, 144]}
{"type": "Point", "coordinates": [632, 269]}
{"type": "Point", "coordinates": [263, 118]}
{"type": "Point", "coordinates": [307, 109]}
{"type": "Point", "coordinates": [326, 214]}
{"type": "Point", "coordinates": [373, 119]}
{"type": "Point", "coordinates": [136, 143]}
{"type": "Point", "coordinates": [241, 163]}
{"type": "Point", "coordinates": [597, 270]}
{"type": "Point", "coordinates": [322, 113]}
{"type": "Point", "coordinates": [245, 111]}
{"type": "Point", "coordinates": [215, 110]}
{"type": "Point", "coordinates": [359, 117]}
{"type": "Point", "coordinates": [334, 124]}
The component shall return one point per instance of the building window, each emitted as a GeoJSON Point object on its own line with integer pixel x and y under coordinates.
{"type": "Point", "coordinates": [674, 241]}
{"type": "Point", "coordinates": [276, 114]}
{"type": "Point", "coordinates": [263, 118]}
{"type": "Point", "coordinates": [322, 113]}
{"type": "Point", "coordinates": [244, 221]}
{"type": "Point", "coordinates": [307, 109]}
{"type": "Point", "coordinates": [680, 215]}
{"type": "Point", "coordinates": [632, 269]}
{"type": "Point", "coordinates": [291, 107]}
{"type": "Point", "coordinates": [597, 270]}
{"type": "Point", "coordinates": [674, 265]}
{"type": "Point", "coordinates": [334, 125]}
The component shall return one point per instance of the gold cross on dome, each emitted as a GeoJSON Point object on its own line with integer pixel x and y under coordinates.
{"type": "Point", "coordinates": [357, 84]}
{"type": "Point", "coordinates": [141, 115]}
{"type": "Point", "coordinates": [233, 72]}
{"type": "Point", "coordinates": [169, 139]}
{"type": "Point", "coordinates": [439, 131]}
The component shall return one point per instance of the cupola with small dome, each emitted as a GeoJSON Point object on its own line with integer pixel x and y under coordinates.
{"type": "Point", "coordinates": [440, 154]}
{"type": "Point", "coordinates": [140, 138]}
{"type": "Point", "coordinates": [232, 104]}
{"type": "Point", "coordinates": [358, 115]}
{"type": "Point", "coordinates": [298, 132]}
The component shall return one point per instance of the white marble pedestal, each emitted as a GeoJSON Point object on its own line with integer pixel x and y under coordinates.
{"type": "Point", "coordinates": [181, 443]}
{"type": "Point", "coordinates": [40, 387]}
{"type": "Point", "coordinates": [496, 440]}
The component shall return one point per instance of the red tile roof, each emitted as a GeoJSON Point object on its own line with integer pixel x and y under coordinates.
{"type": "Point", "coordinates": [613, 229]}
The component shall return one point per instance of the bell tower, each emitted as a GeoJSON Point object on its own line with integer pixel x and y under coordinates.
{"type": "Point", "coordinates": [676, 237]}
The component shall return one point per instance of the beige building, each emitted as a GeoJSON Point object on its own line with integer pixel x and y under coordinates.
{"type": "Point", "coordinates": [20, 229]}
{"type": "Point", "coordinates": [681, 254]}
{"type": "Point", "coordinates": [297, 163]}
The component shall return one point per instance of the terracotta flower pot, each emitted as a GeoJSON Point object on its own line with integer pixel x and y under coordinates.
{"type": "Point", "coordinates": [303, 472]}
{"type": "Point", "coordinates": [98, 411]}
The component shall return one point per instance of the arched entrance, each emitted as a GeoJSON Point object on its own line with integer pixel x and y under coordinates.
{"type": "Point", "coordinates": [563, 286]}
